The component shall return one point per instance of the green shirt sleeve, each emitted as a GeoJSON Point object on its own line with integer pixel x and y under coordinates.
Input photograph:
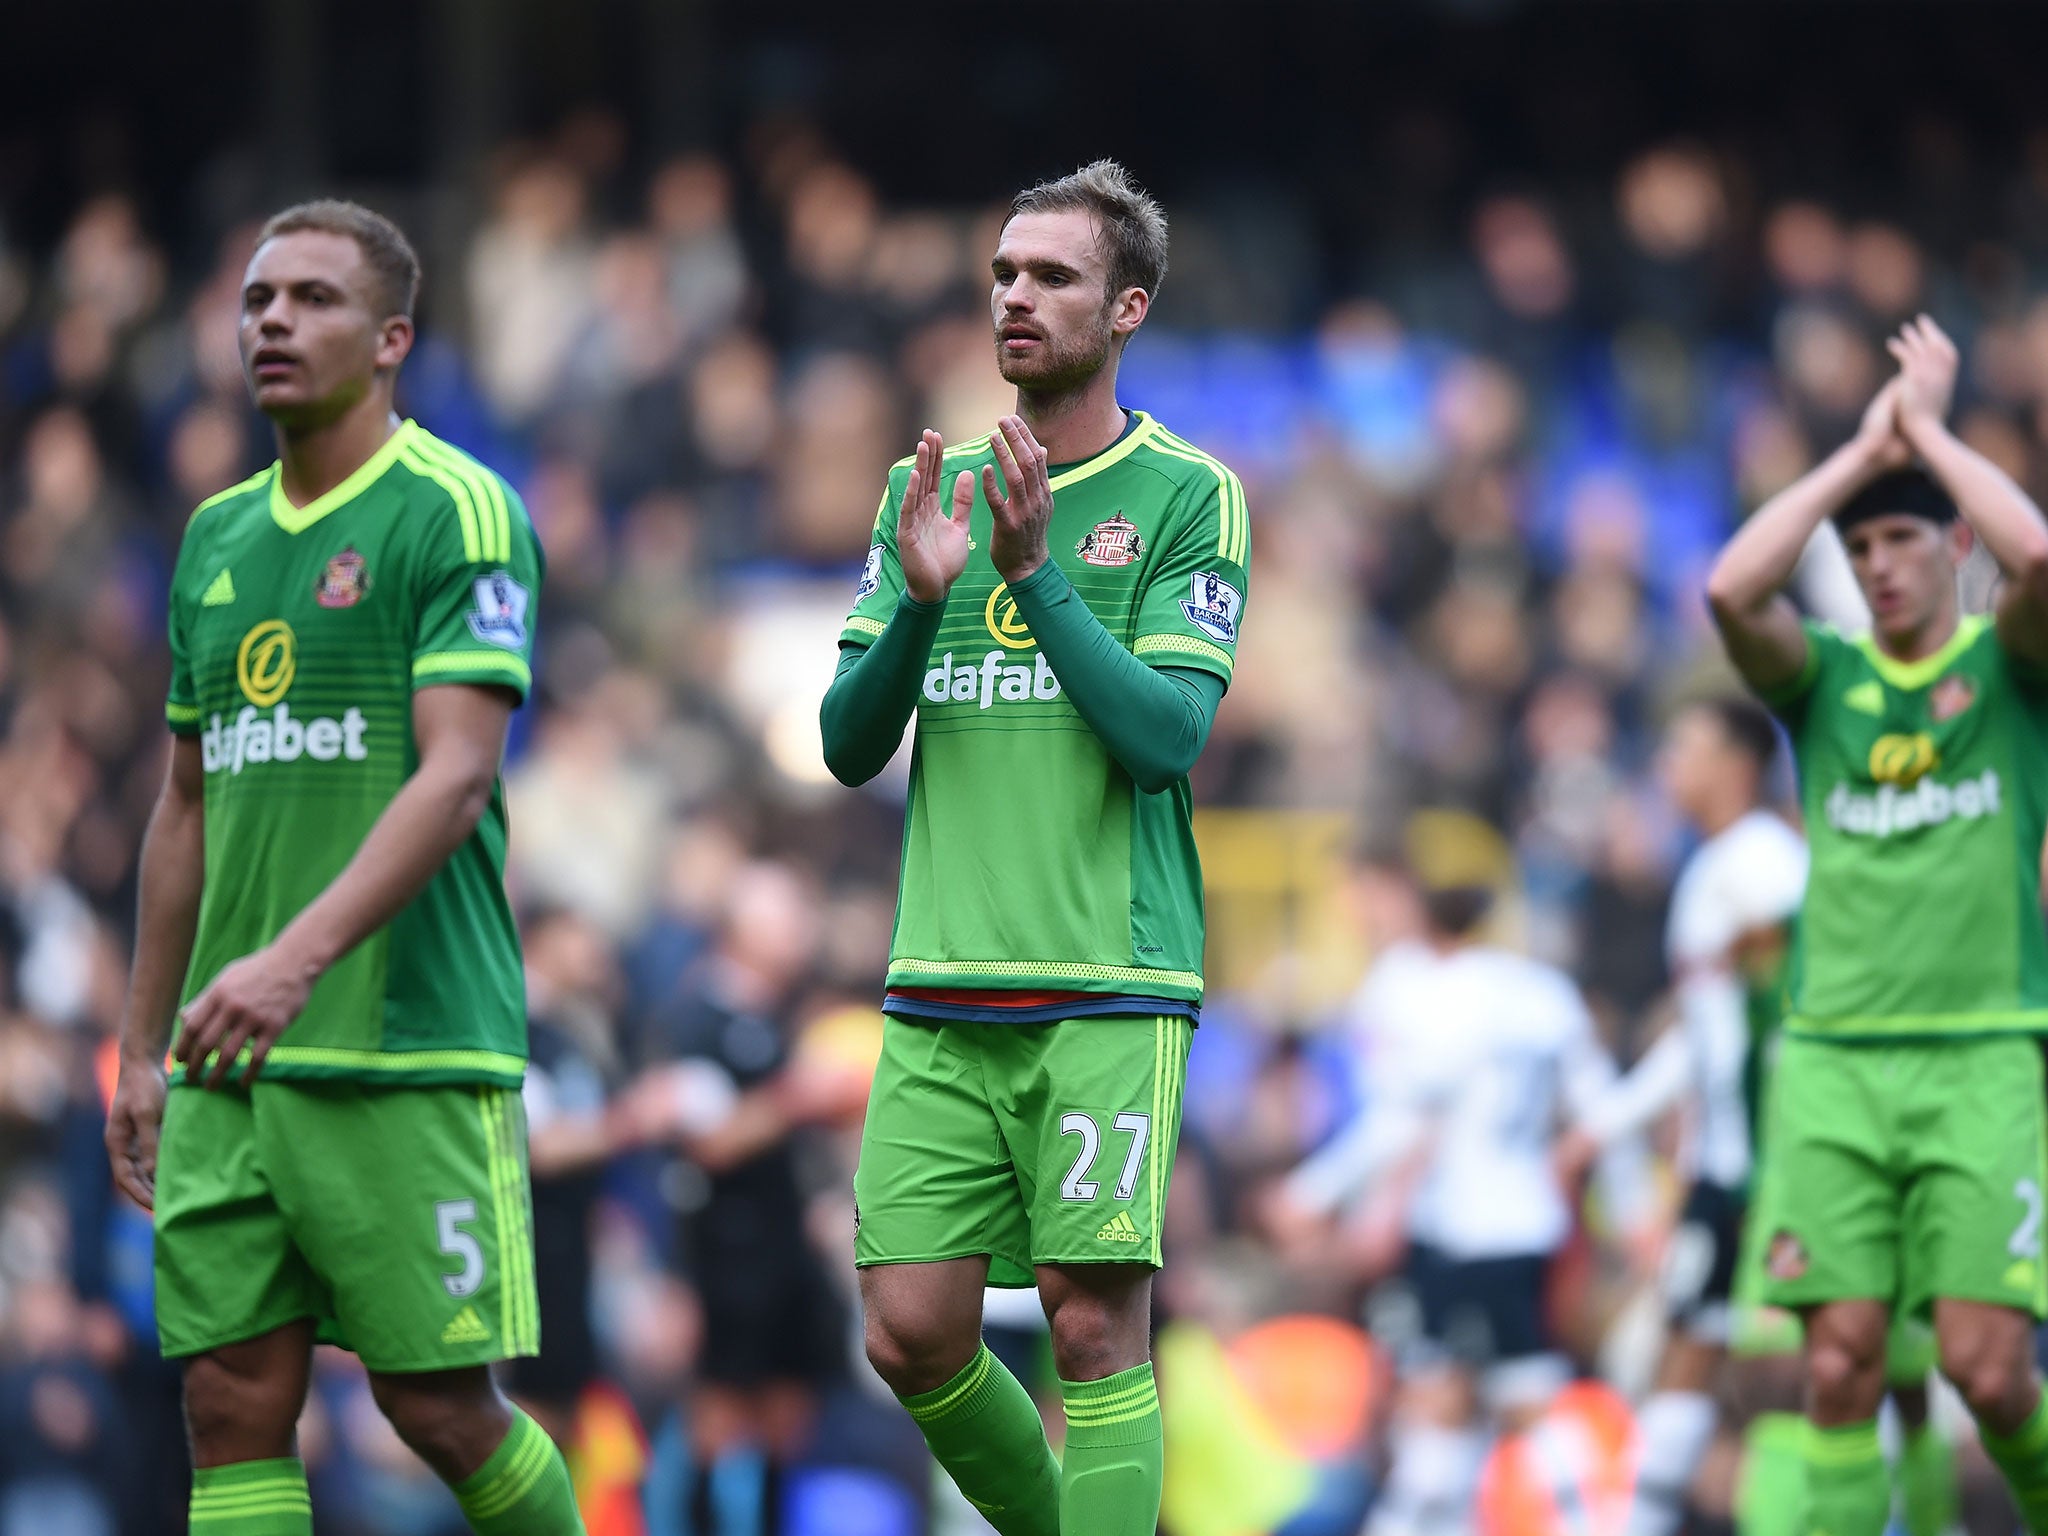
{"type": "Point", "coordinates": [1154, 723]}
{"type": "Point", "coordinates": [881, 578]}
{"type": "Point", "coordinates": [1192, 608]}
{"type": "Point", "coordinates": [874, 691]}
{"type": "Point", "coordinates": [477, 586]}
{"type": "Point", "coordinates": [181, 701]}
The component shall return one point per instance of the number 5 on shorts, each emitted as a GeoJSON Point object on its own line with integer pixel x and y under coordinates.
{"type": "Point", "coordinates": [1077, 1187]}
{"type": "Point", "coordinates": [458, 1244]}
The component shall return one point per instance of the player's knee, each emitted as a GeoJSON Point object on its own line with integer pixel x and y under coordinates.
{"type": "Point", "coordinates": [1845, 1380]}
{"type": "Point", "coordinates": [915, 1354]}
{"type": "Point", "coordinates": [1093, 1338]}
{"type": "Point", "coordinates": [452, 1429]}
{"type": "Point", "coordinates": [1991, 1380]}
{"type": "Point", "coordinates": [235, 1417]}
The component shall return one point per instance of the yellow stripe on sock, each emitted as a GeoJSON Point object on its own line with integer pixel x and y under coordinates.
{"type": "Point", "coordinates": [222, 1509]}
{"type": "Point", "coordinates": [972, 1375]}
{"type": "Point", "coordinates": [209, 1516]}
{"type": "Point", "coordinates": [528, 1465]}
{"type": "Point", "coordinates": [1129, 1415]}
{"type": "Point", "coordinates": [1844, 1445]}
{"type": "Point", "coordinates": [1122, 1397]}
{"type": "Point", "coordinates": [274, 1488]}
{"type": "Point", "coordinates": [272, 1500]}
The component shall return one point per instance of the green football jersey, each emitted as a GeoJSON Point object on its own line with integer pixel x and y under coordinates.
{"type": "Point", "coordinates": [298, 636]}
{"type": "Point", "coordinates": [1030, 859]}
{"type": "Point", "coordinates": [1923, 787]}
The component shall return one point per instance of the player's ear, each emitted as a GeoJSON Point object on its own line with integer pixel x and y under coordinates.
{"type": "Point", "coordinates": [1129, 311]}
{"type": "Point", "coordinates": [1962, 539]}
{"type": "Point", "coordinates": [394, 341]}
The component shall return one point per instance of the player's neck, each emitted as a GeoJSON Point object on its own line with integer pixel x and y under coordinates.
{"type": "Point", "coordinates": [1077, 424]}
{"type": "Point", "coordinates": [314, 460]}
{"type": "Point", "coordinates": [1923, 639]}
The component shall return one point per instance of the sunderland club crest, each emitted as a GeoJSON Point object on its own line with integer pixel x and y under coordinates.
{"type": "Point", "coordinates": [345, 581]}
{"type": "Point", "coordinates": [1113, 541]}
{"type": "Point", "coordinates": [1951, 696]}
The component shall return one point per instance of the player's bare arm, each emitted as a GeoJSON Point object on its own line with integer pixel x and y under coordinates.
{"type": "Point", "coordinates": [1022, 505]}
{"type": "Point", "coordinates": [1746, 589]}
{"type": "Point", "coordinates": [460, 731]}
{"type": "Point", "coordinates": [2000, 513]}
{"type": "Point", "coordinates": [173, 872]}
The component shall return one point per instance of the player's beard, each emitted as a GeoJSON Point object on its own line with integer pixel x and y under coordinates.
{"type": "Point", "coordinates": [1062, 365]}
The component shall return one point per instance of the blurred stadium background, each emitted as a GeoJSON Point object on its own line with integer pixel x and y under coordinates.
{"type": "Point", "coordinates": [1505, 312]}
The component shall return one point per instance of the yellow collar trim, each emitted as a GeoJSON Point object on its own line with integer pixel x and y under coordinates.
{"type": "Point", "coordinates": [1908, 676]}
{"type": "Point", "coordinates": [298, 519]}
{"type": "Point", "coordinates": [1135, 439]}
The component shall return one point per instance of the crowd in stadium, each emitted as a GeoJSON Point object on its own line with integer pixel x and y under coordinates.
{"type": "Point", "coordinates": [1485, 483]}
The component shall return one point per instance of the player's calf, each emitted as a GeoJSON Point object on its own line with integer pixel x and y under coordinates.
{"type": "Point", "coordinates": [1114, 1468]}
{"type": "Point", "coordinates": [503, 1469]}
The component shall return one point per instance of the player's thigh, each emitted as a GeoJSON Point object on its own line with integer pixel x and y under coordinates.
{"type": "Point", "coordinates": [1092, 1118]}
{"type": "Point", "coordinates": [1974, 1215]}
{"type": "Point", "coordinates": [935, 1181]}
{"type": "Point", "coordinates": [1833, 1203]}
{"type": "Point", "coordinates": [414, 1208]}
{"type": "Point", "coordinates": [227, 1269]}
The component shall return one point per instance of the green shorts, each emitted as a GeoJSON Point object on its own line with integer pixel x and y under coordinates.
{"type": "Point", "coordinates": [1906, 1171]}
{"type": "Point", "coordinates": [398, 1219]}
{"type": "Point", "coordinates": [1031, 1143]}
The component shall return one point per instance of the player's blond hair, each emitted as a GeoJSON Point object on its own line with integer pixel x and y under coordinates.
{"type": "Point", "coordinates": [1131, 223]}
{"type": "Point", "coordinates": [385, 249]}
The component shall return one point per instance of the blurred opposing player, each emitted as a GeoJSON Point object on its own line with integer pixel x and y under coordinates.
{"type": "Point", "coordinates": [1907, 1153]}
{"type": "Point", "coordinates": [323, 902]}
{"type": "Point", "coordinates": [1480, 1056]}
{"type": "Point", "coordinates": [1059, 605]}
{"type": "Point", "coordinates": [1731, 912]}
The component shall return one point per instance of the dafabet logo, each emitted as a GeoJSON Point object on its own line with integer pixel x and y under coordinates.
{"type": "Point", "coordinates": [266, 665]}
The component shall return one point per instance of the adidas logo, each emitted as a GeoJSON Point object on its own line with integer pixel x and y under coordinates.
{"type": "Point", "coordinates": [220, 593]}
{"type": "Point", "coordinates": [1120, 1229]}
{"type": "Point", "coordinates": [467, 1328]}
{"type": "Point", "coordinates": [1867, 697]}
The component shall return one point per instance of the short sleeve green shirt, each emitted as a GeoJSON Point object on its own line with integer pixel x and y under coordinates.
{"type": "Point", "coordinates": [1924, 787]}
{"type": "Point", "coordinates": [298, 638]}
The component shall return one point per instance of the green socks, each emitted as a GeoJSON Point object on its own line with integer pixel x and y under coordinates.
{"type": "Point", "coordinates": [984, 1429]}
{"type": "Point", "coordinates": [1926, 1478]}
{"type": "Point", "coordinates": [1116, 1458]}
{"type": "Point", "coordinates": [2023, 1457]}
{"type": "Point", "coordinates": [252, 1498]}
{"type": "Point", "coordinates": [1848, 1487]}
{"type": "Point", "coordinates": [1772, 1486]}
{"type": "Point", "coordinates": [523, 1490]}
